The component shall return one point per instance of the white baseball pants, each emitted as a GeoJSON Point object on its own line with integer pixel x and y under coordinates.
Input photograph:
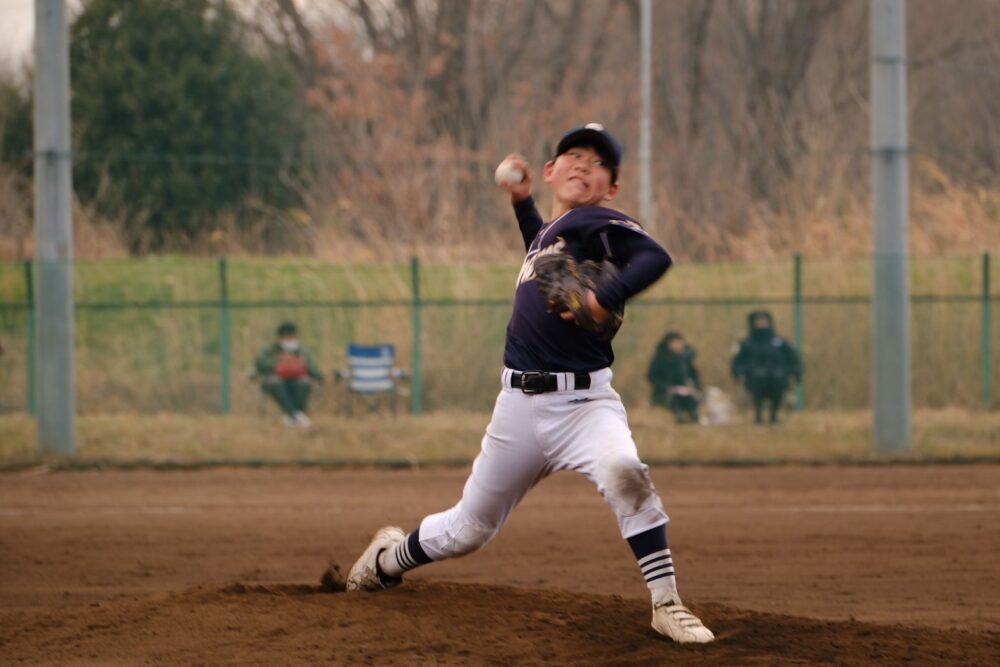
{"type": "Point", "coordinates": [534, 435]}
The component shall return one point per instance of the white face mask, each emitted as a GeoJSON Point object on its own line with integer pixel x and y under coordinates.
{"type": "Point", "coordinates": [289, 345]}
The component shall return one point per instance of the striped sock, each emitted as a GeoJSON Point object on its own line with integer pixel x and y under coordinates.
{"type": "Point", "coordinates": [655, 562]}
{"type": "Point", "coordinates": [406, 555]}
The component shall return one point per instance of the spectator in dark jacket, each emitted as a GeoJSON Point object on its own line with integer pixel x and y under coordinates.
{"type": "Point", "coordinates": [765, 364]}
{"type": "Point", "coordinates": [675, 379]}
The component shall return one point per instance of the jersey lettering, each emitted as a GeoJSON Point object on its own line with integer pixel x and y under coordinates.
{"type": "Point", "coordinates": [528, 267]}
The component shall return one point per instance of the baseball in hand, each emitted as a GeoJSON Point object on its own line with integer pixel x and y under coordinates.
{"type": "Point", "coordinates": [508, 174]}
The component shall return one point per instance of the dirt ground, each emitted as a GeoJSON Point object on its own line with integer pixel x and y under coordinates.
{"type": "Point", "coordinates": [788, 565]}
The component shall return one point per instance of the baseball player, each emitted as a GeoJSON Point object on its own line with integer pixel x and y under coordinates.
{"type": "Point", "coordinates": [556, 409]}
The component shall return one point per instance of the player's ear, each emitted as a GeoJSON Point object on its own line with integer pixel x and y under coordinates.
{"type": "Point", "coordinates": [547, 170]}
{"type": "Point", "coordinates": [612, 191]}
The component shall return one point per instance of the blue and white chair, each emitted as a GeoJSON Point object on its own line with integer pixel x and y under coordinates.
{"type": "Point", "coordinates": [372, 376]}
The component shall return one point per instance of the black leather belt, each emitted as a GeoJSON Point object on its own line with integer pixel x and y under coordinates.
{"type": "Point", "coordinates": [540, 382]}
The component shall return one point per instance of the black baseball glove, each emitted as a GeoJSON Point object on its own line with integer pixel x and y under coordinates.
{"type": "Point", "coordinates": [564, 284]}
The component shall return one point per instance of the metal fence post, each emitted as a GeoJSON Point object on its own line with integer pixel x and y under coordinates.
{"type": "Point", "coordinates": [800, 390]}
{"type": "Point", "coordinates": [29, 286]}
{"type": "Point", "coordinates": [987, 352]}
{"type": "Point", "coordinates": [224, 334]}
{"type": "Point", "coordinates": [417, 397]}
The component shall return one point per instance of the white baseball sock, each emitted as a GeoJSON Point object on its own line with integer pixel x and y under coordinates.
{"type": "Point", "coordinates": [658, 570]}
{"type": "Point", "coordinates": [653, 555]}
{"type": "Point", "coordinates": [405, 556]}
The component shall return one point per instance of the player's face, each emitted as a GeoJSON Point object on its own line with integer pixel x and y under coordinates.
{"type": "Point", "coordinates": [579, 177]}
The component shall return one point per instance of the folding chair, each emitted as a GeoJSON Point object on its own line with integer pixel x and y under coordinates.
{"type": "Point", "coordinates": [372, 375]}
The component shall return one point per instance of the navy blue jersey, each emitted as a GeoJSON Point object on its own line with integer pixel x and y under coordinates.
{"type": "Point", "coordinates": [538, 340]}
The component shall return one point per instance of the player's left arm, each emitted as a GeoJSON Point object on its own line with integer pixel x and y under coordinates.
{"type": "Point", "coordinates": [641, 262]}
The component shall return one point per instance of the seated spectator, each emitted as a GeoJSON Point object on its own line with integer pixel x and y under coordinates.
{"type": "Point", "coordinates": [675, 380]}
{"type": "Point", "coordinates": [765, 363]}
{"type": "Point", "coordinates": [286, 371]}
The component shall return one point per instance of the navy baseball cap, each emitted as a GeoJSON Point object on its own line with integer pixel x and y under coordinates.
{"type": "Point", "coordinates": [596, 136]}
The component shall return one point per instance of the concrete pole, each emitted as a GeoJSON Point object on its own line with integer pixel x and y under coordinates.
{"type": "Point", "coordinates": [53, 232]}
{"type": "Point", "coordinates": [646, 213]}
{"type": "Point", "coordinates": [891, 395]}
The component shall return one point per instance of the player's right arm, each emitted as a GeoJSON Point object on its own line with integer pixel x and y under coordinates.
{"type": "Point", "coordinates": [529, 220]}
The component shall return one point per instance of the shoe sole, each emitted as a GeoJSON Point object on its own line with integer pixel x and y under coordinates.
{"type": "Point", "coordinates": [693, 640]}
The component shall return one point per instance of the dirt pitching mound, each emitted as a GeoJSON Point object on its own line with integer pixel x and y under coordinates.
{"type": "Point", "coordinates": [449, 624]}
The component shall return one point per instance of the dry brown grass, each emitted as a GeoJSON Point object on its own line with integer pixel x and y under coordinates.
{"type": "Point", "coordinates": [455, 436]}
{"type": "Point", "coordinates": [946, 217]}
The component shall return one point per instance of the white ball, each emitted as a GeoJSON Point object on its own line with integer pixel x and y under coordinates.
{"type": "Point", "coordinates": [508, 174]}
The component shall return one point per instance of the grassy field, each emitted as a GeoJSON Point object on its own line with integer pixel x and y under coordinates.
{"type": "Point", "coordinates": [163, 353]}
{"type": "Point", "coordinates": [455, 436]}
{"type": "Point", "coordinates": [177, 278]}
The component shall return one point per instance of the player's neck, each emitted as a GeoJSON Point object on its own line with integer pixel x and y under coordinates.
{"type": "Point", "coordinates": [560, 208]}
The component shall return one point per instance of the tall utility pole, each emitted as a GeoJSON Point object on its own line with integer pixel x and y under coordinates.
{"type": "Point", "coordinates": [53, 232]}
{"type": "Point", "coordinates": [645, 114]}
{"type": "Point", "coordinates": [891, 390]}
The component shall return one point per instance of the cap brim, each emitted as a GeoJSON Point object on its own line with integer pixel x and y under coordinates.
{"type": "Point", "coordinates": [589, 137]}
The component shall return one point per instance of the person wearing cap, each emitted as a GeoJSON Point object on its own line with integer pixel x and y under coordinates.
{"type": "Point", "coordinates": [286, 371]}
{"type": "Point", "coordinates": [557, 409]}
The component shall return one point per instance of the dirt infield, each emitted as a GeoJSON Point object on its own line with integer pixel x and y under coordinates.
{"type": "Point", "coordinates": [861, 565]}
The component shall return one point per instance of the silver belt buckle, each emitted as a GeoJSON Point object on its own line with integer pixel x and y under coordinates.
{"type": "Point", "coordinates": [532, 382]}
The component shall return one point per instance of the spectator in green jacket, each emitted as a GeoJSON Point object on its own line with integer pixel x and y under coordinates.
{"type": "Point", "coordinates": [675, 379]}
{"type": "Point", "coordinates": [765, 364]}
{"type": "Point", "coordinates": [286, 371]}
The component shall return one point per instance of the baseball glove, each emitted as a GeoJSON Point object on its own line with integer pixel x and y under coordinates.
{"type": "Point", "coordinates": [565, 284]}
{"type": "Point", "coordinates": [291, 367]}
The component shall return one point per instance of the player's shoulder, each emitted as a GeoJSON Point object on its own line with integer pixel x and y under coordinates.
{"type": "Point", "coordinates": [602, 216]}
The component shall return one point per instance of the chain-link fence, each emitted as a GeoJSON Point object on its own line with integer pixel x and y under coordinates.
{"type": "Point", "coordinates": [180, 334]}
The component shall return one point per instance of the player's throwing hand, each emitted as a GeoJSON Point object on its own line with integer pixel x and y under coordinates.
{"type": "Point", "coordinates": [509, 169]}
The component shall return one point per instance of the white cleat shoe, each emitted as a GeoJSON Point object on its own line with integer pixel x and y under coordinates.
{"type": "Point", "coordinates": [365, 574]}
{"type": "Point", "coordinates": [676, 621]}
{"type": "Point", "coordinates": [302, 419]}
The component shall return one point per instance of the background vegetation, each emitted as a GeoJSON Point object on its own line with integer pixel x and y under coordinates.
{"type": "Point", "coordinates": [179, 124]}
{"type": "Point", "coordinates": [369, 128]}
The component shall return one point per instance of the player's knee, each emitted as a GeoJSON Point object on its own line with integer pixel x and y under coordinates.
{"type": "Point", "coordinates": [471, 537]}
{"type": "Point", "coordinates": [625, 483]}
